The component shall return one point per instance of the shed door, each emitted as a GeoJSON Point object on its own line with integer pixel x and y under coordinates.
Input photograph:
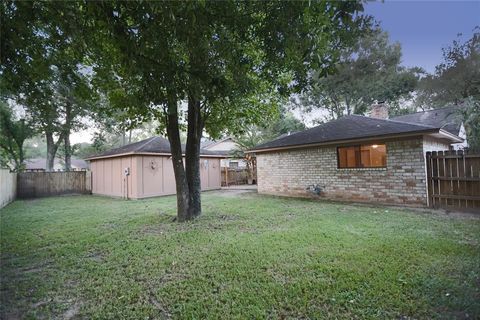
{"type": "Point", "coordinates": [214, 174]}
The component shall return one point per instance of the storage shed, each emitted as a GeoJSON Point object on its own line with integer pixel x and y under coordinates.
{"type": "Point", "coordinates": [144, 169]}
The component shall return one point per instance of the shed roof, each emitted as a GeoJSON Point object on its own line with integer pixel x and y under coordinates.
{"type": "Point", "coordinates": [347, 128]}
{"type": "Point", "coordinates": [446, 118]}
{"type": "Point", "coordinates": [158, 145]}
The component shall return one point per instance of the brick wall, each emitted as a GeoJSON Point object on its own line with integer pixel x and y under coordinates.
{"type": "Point", "coordinates": [401, 182]}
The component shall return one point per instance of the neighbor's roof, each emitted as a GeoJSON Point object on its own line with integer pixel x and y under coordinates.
{"type": "Point", "coordinates": [446, 118]}
{"type": "Point", "coordinates": [349, 128]}
{"type": "Point", "coordinates": [153, 145]}
{"type": "Point", "coordinates": [211, 143]}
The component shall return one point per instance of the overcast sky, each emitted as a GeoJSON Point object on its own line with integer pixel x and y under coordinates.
{"type": "Point", "coordinates": [423, 28]}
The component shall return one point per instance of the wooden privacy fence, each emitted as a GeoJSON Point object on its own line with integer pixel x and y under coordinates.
{"type": "Point", "coordinates": [8, 187]}
{"type": "Point", "coordinates": [233, 176]}
{"type": "Point", "coordinates": [43, 184]}
{"type": "Point", "coordinates": [453, 179]}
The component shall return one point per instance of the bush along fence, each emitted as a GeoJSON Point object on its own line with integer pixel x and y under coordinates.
{"type": "Point", "coordinates": [44, 184]}
{"type": "Point", "coordinates": [8, 187]}
{"type": "Point", "coordinates": [453, 179]}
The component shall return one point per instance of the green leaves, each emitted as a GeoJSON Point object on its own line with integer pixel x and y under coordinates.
{"type": "Point", "coordinates": [457, 78]}
{"type": "Point", "coordinates": [368, 70]}
{"type": "Point", "coordinates": [457, 81]}
{"type": "Point", "coordinates": [233, 56]}
{"type": "Point", "coordinates": [13, 134]}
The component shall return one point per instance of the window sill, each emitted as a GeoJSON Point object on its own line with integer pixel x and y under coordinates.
{"type": "Point", "coordinates": [363, 169]}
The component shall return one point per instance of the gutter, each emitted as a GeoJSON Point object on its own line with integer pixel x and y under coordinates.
{"type": "Point", "coordinates": [451, 136]}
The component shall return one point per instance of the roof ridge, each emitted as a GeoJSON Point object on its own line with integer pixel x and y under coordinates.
{"type": "Point", "coordinates": [215, 142]}
{"type": "Point", "coordinates": [397, 121]}
{"type": "Point", "coordinates": [445, 107]}
{"type": "Point", "coordinates": [413, 124]}
{"type": "Point", "coordinates": [149, 140]}
{"type": "Point", "coordinates": [312, 128]}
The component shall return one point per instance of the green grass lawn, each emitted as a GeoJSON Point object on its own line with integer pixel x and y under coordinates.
{"type": "Point", "coordinates": [248, 256]}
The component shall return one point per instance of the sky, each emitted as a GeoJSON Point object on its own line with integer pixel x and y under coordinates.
{"type": "Point", "coordinates": [423, 28]}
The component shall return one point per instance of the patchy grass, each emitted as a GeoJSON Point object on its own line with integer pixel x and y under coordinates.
{"type": "Point", "coordinates": [248, 256]}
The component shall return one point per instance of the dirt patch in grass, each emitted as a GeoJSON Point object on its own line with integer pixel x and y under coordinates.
{"type": "Point", "coordinates": [229, 193]}
{"type": "Point", "coordinates": [163, 312]}
{"type": "Point", "coordinates": [162, 228]}
{"type": "Point", "coordinates": [109, 226]}
{"type": "Point", "coordinates": [33, 269]}
{"type": "Point", "coordinates": [210, 222]}
{"type": "Point", "coordinates": [96, 256]}
{"type": "Point", "coordinates": [13, 315]}
{"type": "Point", "coordinates": [72, 311]}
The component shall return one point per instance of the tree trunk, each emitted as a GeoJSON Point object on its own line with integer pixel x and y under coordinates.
{"type": "Point", "coordinates": [68, 152]}
{"type": "Point", "coordinates": [66, 138]}
{"type": "Point", "coordinates": [173, 133]}
{"type": "Point", "coordinates": [21, 157]}
{"type": "Point", "coordinates": [347, 104]}
{"type": "Point", "coordinates": [51, 151]}
{"type": "Point", "coordinates": [52, 148]}
{"type": "Point", "coordinates": [192, 157]}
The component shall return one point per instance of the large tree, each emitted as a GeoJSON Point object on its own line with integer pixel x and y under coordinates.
{"type": "Point", "coordinates": [457, 78]}
{"type": "Point", "coordinates": [226, 60]}
{"type": "Point", "coordinates": [13, 133]}
{"type": "Point", "coordinates": [223, 61]}
{"type": "Point", "coordinates": [457, 81]}
{"type": "Point", "coordinates": [41, 69]}
{"type": "Point", "coordinates": [368, 71]}
{"type": "Point", "coordinates": [286, 123]}
{"type": "Point", "coordinates": [199, 66]}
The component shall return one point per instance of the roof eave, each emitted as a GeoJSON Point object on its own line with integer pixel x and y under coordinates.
{"type": "Point", "coordinates": [147, 154]}
{"type": "Point", "coordinates": [343, 141]}
{"type": "Point", "coordinates": [451, 136]}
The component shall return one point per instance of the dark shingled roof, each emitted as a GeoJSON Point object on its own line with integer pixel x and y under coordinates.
{"type": "Point", "coordinates": [347, 128]}
{"type": "Point", "coordinates": [446, 118]}
{"type": "Point", "coordinates": [150, 145]}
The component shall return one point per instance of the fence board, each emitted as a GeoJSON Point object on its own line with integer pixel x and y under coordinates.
{"type": "Point", "coordinates": [234, 176]}
{"type": "Point", "coordinates": [44, 184]}
{"type": "Point", "coordinates": [453, 179]}
{"type": "Point", "coordinates": [8, 187]}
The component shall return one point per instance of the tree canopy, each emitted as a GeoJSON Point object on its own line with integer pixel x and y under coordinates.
{"type": "Point", "coordinates": [368, 71]}
{"type": "Point", "coordinates": [13, 133]}
{"type": "Point", "coordinates": [457, 81]}
{"type": "Point", "coordinates": [41, 69]}
{"type": "Point", "coordinates": [457, 78]}
{"type": "Point", "coordinates": [225, 62]}
{"type": "Point", "coordinates": [201, 66]}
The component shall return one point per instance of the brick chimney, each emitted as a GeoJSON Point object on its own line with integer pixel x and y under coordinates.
{"type": "Point", "coordinates": [379, 110]}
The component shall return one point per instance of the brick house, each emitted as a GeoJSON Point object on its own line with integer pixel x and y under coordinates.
{"type": "Point", "coordinates": [355, 158]}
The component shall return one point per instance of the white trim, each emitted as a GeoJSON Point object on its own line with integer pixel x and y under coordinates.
{"type": "Point", "coordinates": [451, 136]}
